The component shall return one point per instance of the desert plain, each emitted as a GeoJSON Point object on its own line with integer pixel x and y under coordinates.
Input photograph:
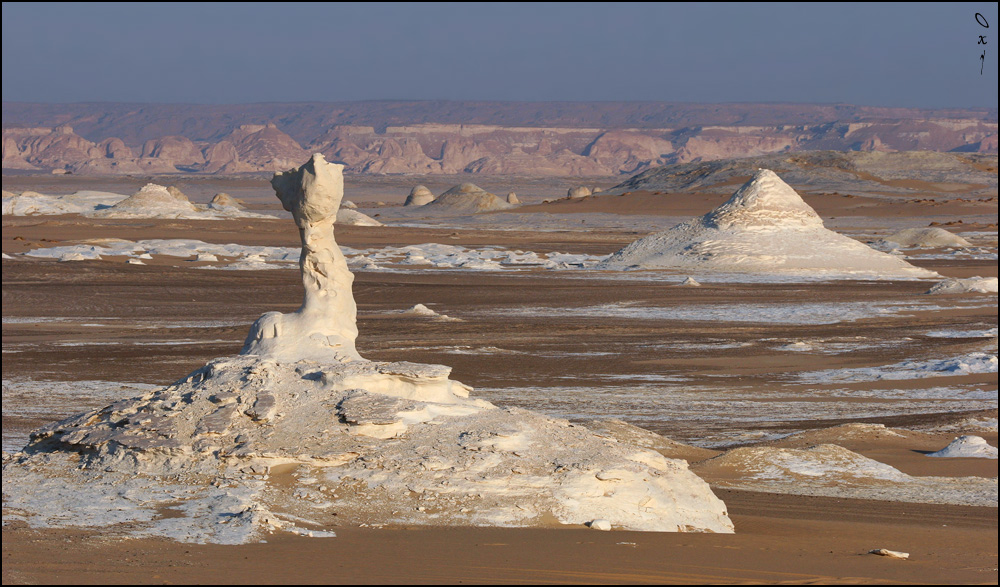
{"type": "Point", "coordinates": [733, 375]}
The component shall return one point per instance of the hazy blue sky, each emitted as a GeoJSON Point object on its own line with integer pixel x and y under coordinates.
{"type": "Point", "coordinates": [893, 55]}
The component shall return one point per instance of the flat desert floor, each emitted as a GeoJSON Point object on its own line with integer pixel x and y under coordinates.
{"type": "Point", "coordinates": [736, 362]}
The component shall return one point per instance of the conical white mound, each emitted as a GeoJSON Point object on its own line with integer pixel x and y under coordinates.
{"type": "Point", "coordinates": [468, 198]}
{"type": "Point", "coordinates": [765, 227]}
{"type": "Point", "coordinates": [302, 433]}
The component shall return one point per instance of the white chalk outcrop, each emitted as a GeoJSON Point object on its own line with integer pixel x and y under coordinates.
{"type": "Point", "coordinates": [970, 447]}
{"type": "Point", "coordinates": [224, 200]}
{"type": "Point", "coordinates": [765, 227]}
{"type": "Point", "coordinates": [512, 199]}
{"type": "Point", "coordinates": [932, 237]}
{"type": "Point", "coordinates": [300, 432]}
{"type": "Point", "coordinates": [834, 471]}
{"type": "Point", "coordinates": [954, 285]}
{"type": "Point", "coordinates": [419, 196]}
{"type": "Point", "coordinates": [29, 203]}
{"type": "Point", "coordinates": [152, 201]}
{"type": "Point", "coordinates": [349, 217]}
{"type": "Point", "coordinates": [580, 191]}
{"type": "Point", "coordinates": [468, 198]}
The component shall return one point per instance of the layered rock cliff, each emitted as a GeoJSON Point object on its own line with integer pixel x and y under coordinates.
{"type": "Point", "coordinates": [535, 142]}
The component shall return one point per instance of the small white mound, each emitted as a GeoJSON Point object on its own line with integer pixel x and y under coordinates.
{"type": "Point", "coordinates": [349, 217]}
{"type": "Point", "coordinates": [348, 205]}
{"type": "Point", "coordinates": [579, 191]}
{"type": "Point", "coordinates": [468, 198]}
{"type": "Point", "coordinates": [926, 238]}
{"type": "Point", "coordinates": [961, 286]}
{"type": "Point", "coordinates": [419, 196]}
{"type": "Point", "coordinates": [968, 447]}
{"type": "Point", "coordinates": [78, 257]}
{"type": "Point", "coordinates": [689, 282]}
{"type": "Point", "coordinates": [152, 201]}
{"type": "Point", "coordinates": [764, 228]}
{"type": "Point", "coordinates": [422, 310]}
{"type": "Point", "coordinates": [512, 199]}
{"type": "Point", "coordinates": [133, 261]}
{"type": "Point", "coordinates": [224, 200]}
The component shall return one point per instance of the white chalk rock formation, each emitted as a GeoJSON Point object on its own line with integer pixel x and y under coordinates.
{"type": "Point", "coordinates": [580, 191]}
{"type": "Point", "coordinates": [468, 198]}
{"type": "Point", "coordinates": [348, 205]}
{"type": "Point", "coordinates": [512, 199]}
{"type": "Point", "coordinates": [419, 196]}
{"type": "Point", "coordinates": [152, 201]}
{"type": "Point", "coordinates": [689, 282]}
{"type": "Point", "coordinates": [974, 447]}
{"type": "Point", "coordinates": [834, 471]}
{"type": "Point", "coordinates": [954, 285]}
{"type": "Point", "coordinates": [765, 227]}
{"type": "Point", "coordinates": [300, 432]}
{"type": "Point", "coordinates": [350, 217]}
{"type": "Point", "coordinates": [31, 203]}
{"type": "Point", "coordinates": [224, 200]}
{"type": "Point", "coordinates": [925, 238]}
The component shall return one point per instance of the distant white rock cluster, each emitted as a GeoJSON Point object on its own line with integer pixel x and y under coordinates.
{"type": "Point", "coordinates": [764, 228]}
{"type": "Point", "coordinates": [151, 201]}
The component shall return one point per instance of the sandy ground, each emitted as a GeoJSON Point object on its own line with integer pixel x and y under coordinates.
{"type": "Point", "coordinates": [779, 539]}
{"type": "Point", "coordinates": [705, 382]}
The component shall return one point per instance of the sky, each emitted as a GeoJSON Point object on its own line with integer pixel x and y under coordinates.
{"type": "Point", "coordinates": [911, 55]}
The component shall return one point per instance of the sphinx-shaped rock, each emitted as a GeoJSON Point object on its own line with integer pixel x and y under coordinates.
{"type": "Point", "coordinates": [765, 227]}
{"type": "Point", "coordinates": [300, 432]}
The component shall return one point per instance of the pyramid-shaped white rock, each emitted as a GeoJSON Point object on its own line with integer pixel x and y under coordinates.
{"type": "Point", "coordinates": [300, 432]}
{"type": "Point", "coordinates": [765, 227]}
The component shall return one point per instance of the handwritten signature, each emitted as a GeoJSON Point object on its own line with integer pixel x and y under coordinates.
{"type": "Point", "coordinates": [982, 40]}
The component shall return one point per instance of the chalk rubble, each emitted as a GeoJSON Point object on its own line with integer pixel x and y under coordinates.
{"type": "Point", "coordinates": [765, 227]}
{"type": "Point", "coordinates": [299, 431]}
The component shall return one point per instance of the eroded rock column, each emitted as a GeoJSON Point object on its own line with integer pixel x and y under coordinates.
{"type": "Point", "coordinates": [324, 328]}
